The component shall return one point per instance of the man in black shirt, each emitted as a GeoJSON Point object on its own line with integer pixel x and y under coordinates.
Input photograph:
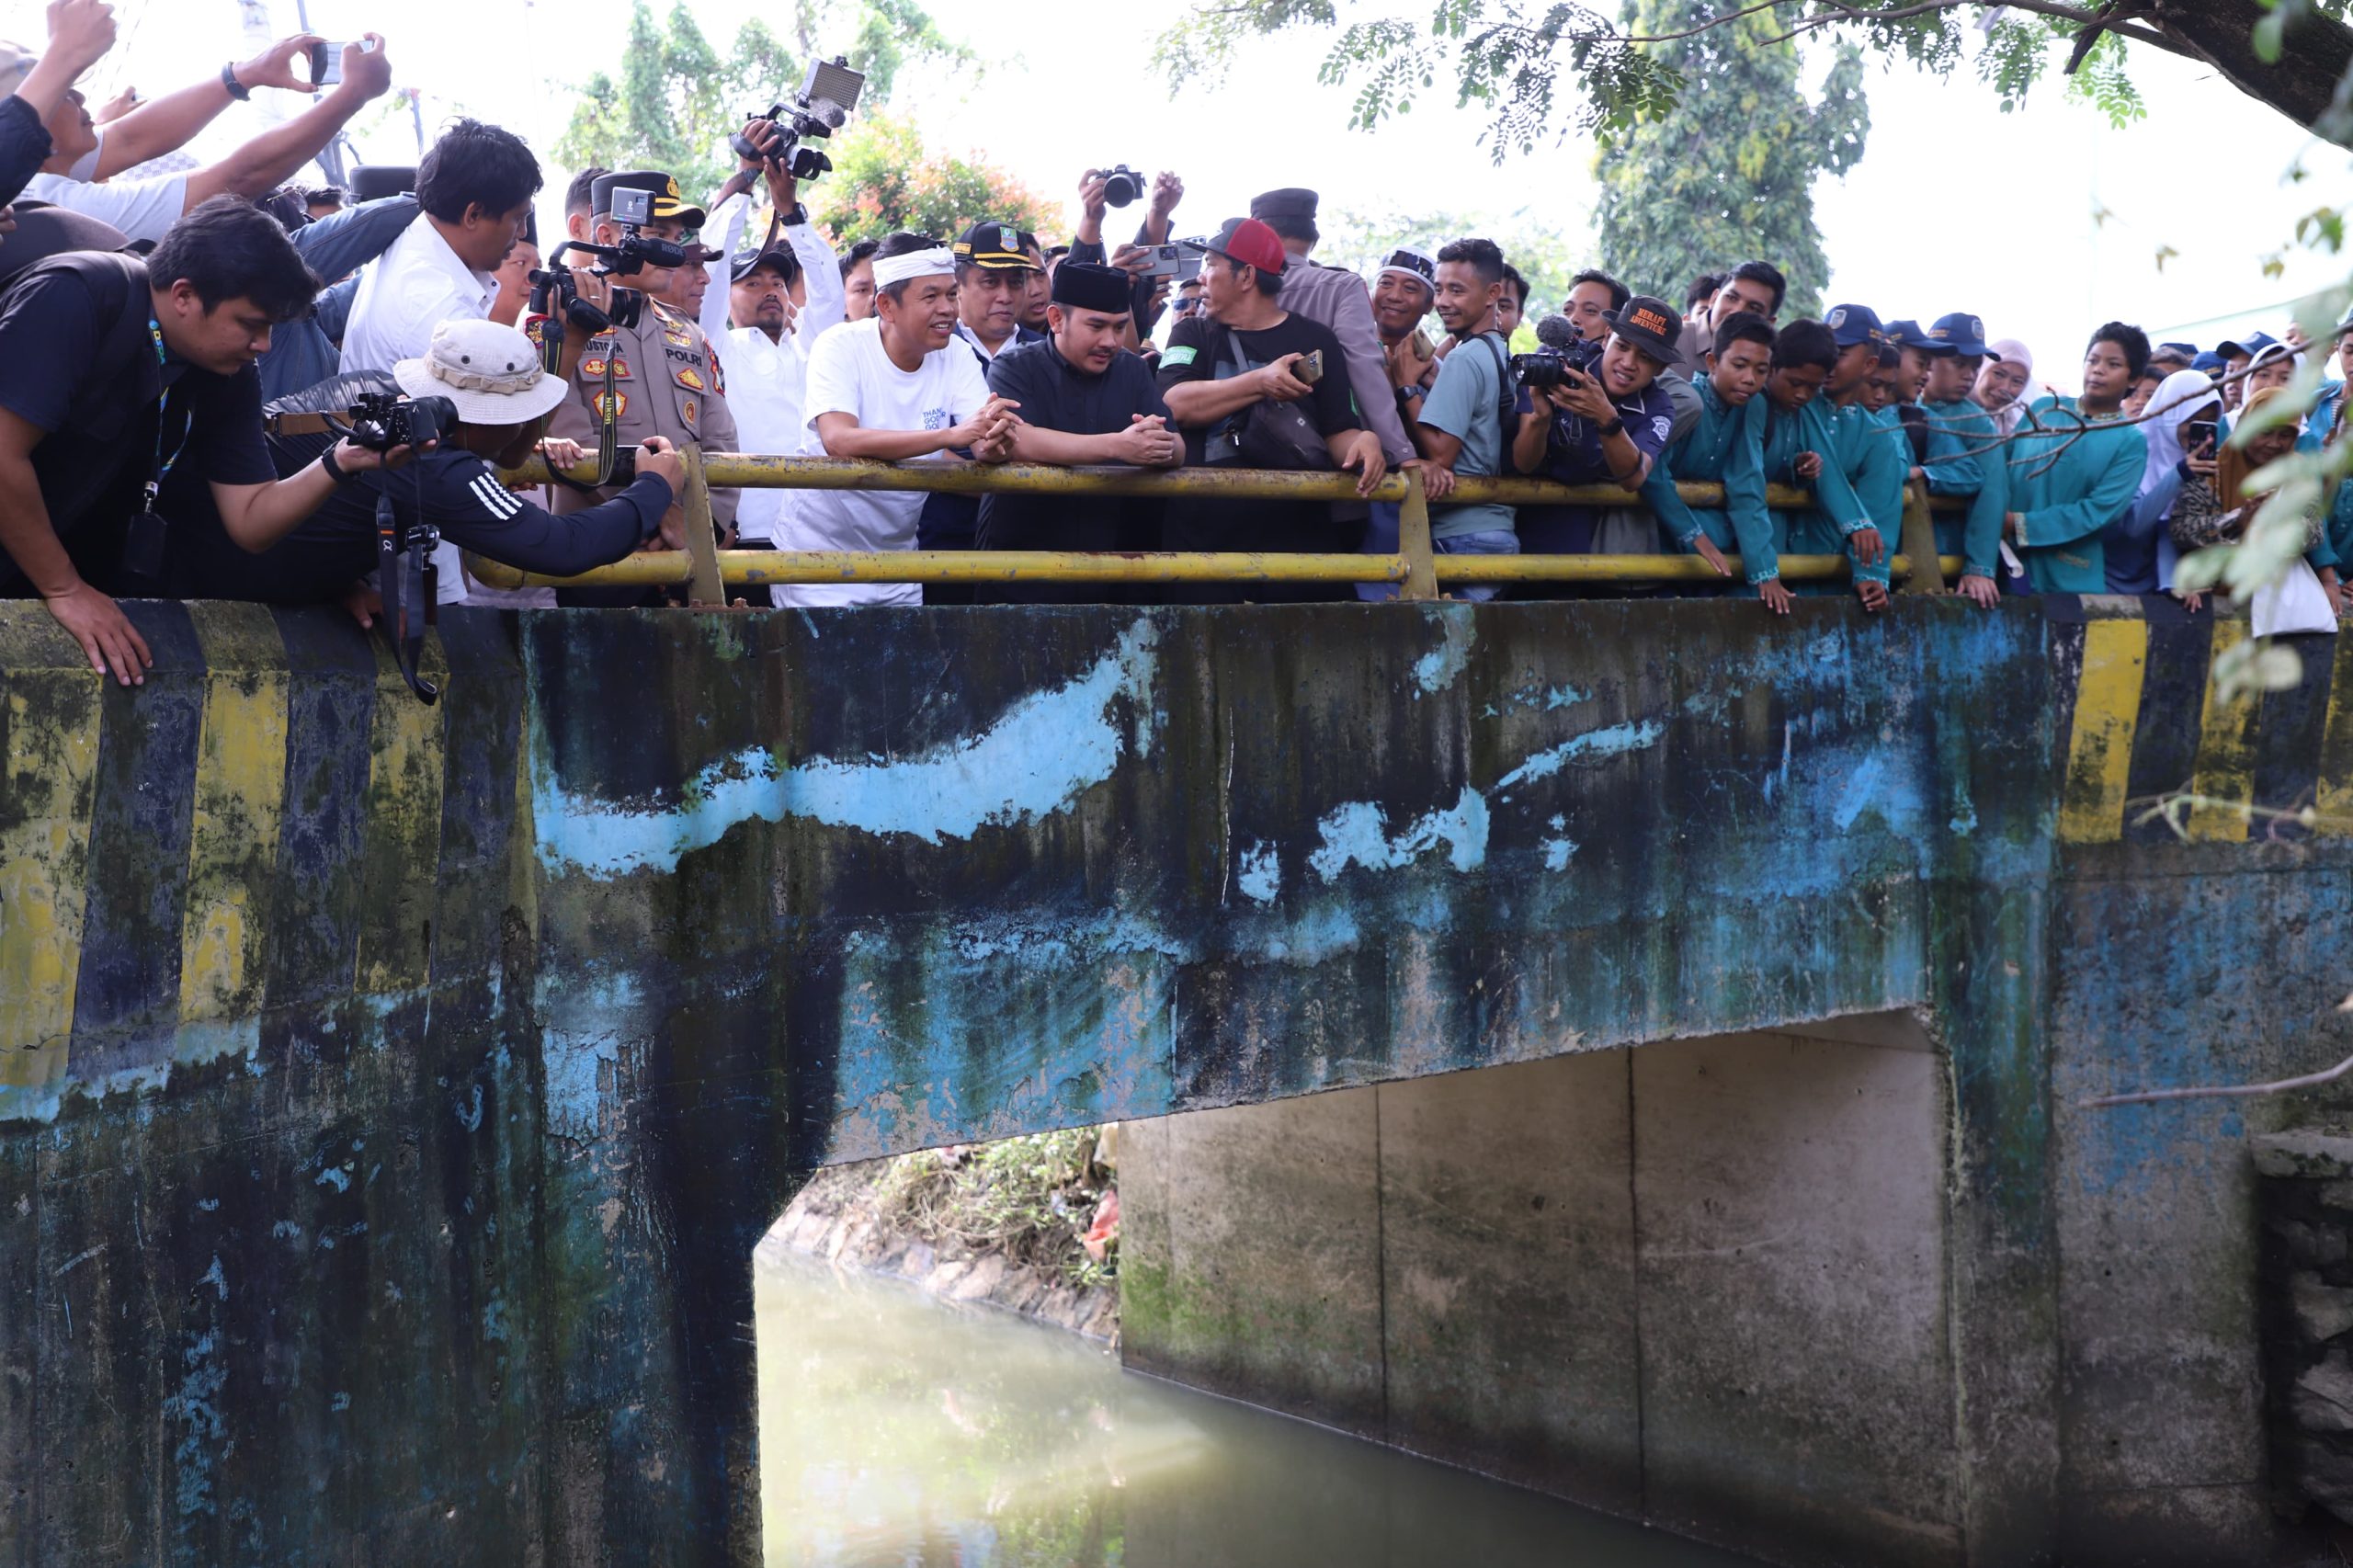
{"type": "Point", "coordinates": [1083, 399]}
{"type": "Point", "coordinates": [504, 397]}
{"type": "Point", "coordinates": [116, 372]}
{"type": "Point", "coordinates": [1232, 383]}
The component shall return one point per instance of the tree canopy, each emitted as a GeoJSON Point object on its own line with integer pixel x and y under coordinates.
{"type": "Point", "coordinates": [1510, 57]}
{"type": "Point", "coordinates": [885, 179]}
{"type": "Point", "coordinates": [1721, 180]}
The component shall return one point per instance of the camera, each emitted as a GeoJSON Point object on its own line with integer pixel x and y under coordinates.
{"type": "Point", "coordinates": [555, 290]}
{"type": "Point", "coordinates": [381, 421]}
{"type": "Point", "coordinates": [1122, 186]}
{"type": "Point", "coordinates": [814, 113]}
{"type": "Point", "coordinates": [1553, 365]}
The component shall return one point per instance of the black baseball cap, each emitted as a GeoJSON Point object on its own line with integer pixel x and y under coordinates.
{"type": "Point", "coordinates": [750, 259]}
{"type": "Point", "coordinates": [1291, 201]}
{"type": "Point", "coordinates": [992, 245]}
{"type": "Point", "coordinates": [1651, 324]}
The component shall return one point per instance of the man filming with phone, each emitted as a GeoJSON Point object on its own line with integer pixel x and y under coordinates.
{"type": "Point", "coordinates": [1253, 385]}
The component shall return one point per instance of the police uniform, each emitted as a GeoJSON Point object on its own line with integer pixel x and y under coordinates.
{"type": "Point", "coordinates": [666, 376]}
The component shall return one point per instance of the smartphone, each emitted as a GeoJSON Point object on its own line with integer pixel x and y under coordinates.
{"type": "Point", "coordinates": [1310, 368]}
{"type": "Point", "coordinates": [2199, 435]}
{"type": "Point", "coordinates": [327, 62]}
{"type": "Point", "coordinates": [1167, 261]}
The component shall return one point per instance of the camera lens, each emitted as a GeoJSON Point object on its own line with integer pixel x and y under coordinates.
{"type": "Point", "coordinates": [1122, 187]}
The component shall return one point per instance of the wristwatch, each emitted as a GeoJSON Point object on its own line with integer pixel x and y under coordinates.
{"type": "Point", "coordinates": [237, 89]}
{"type": "Point", "coordinates": [1614, 427]}
{"type": "Point", "coordinates": [335, 470]}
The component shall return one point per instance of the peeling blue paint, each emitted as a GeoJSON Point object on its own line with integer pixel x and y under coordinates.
{"type": "Point", "coordinates": [1357, 834]}
{"type": "Point", "coordinates": [1444, 664]}
{"type": "Point", "coordinates": [1261, 878]}
{"type": "Point", "coordinates": [1046, 749]}
{"type": "Point", "coordinates": [335, 1177]}
{"type": "Point", "coordinates": [1614, 741]}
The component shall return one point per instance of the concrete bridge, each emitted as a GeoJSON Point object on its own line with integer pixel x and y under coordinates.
{"type": "Point", "coordinates": [391, 1097]}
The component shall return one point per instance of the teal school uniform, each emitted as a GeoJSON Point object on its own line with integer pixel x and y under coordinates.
{"type": "Point", "coordinates": [1820, 529]}
{"type": "Point", "coordinates": [2069, 479]}
{"type": "Point", "coordinates": [1719, 448]}
{"type": "Point", "coordinates": [1962, 432]}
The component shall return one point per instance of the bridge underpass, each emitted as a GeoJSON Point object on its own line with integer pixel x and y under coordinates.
{"type": "Point", "coordinates": [390, 1097]}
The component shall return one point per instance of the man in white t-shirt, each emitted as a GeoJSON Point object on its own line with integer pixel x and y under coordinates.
{"type": "Point", "coordinates": [145, 209]}
{"type": "Point", "coordinates": [890, 389]}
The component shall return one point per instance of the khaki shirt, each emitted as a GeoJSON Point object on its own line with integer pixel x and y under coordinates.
{"type": "Point", "coordinates": [666, 382]}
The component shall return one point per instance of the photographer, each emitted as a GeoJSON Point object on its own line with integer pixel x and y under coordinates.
{"type": "Point", "coordinates": [145, 209]}
{"type": "Point", "coordinates": [783, 296]}
{"type": "Point", "coordinates": [1460, 427]}
{"type": "Point", "coordinates": [501, 395]}
{"type": "Point", "coordinates": [1604, 420]}
{"type": "Point", "coordinates": [1083, 399]}
{"type": "Point", "coordinates": [893, 388]}
{"type": "Point", "coordinates": [116, 374]}
{"type": "Point", "coordinates": [1229, 379]}
{"type": "Point", "coordinates": [663, 378]}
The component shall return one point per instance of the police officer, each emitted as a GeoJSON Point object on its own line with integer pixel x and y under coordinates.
{"type": "Point", "coordinates": [660, 378]}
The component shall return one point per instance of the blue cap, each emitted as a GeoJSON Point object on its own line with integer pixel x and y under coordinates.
{"type": "Point", "coordinates": [1905, 334]}
{"type": "Point", "coordinates": [2188, 350]}
{"type": "Point", "coordinates": [2210, 364]}
{"type": "Point", "coordinates": [1851, 324]}
{"type": "Point", "coordinates": [2252, 345]}
{"type": "Point", "coordinates": [1958, 333]}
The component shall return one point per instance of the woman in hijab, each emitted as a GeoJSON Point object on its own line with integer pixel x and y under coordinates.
{"type": "Point", "coordinates": [2204, 517]}
{"type": "Point", "coordinates": [2006, 385]}
{"type": "Point", "coordinates": [2140, 551]}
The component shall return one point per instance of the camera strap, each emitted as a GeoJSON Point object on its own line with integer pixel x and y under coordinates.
{"type": "Point", "coordinates": [608, 421]}
{"type": "Point", "coordinates": [410, 585]}
{"type": "Point", "coordinates": [142, 544]}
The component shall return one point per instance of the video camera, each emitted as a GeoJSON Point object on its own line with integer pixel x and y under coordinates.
{"type": "Point", "coordinates": [556, 293]}
{"type": "Point", "coordinates": [816, 112]}
{"type": "Point", "coordinates": [1565, 355]}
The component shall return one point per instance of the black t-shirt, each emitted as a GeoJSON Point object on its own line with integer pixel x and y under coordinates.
{"type": "Point", "coordinates": [1197, 344]}
{"type": "Point", "coordinates": [455, 491]}
{"type": "Point", "coordinates": [1056, 395]}
{"type": "Point", "coordinates": [78, 362]}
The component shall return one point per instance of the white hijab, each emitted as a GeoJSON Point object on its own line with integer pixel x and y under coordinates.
{"type": "Point", "coordinates": [2012, 351]}
{"type": "Point", "coordinates": [2179, 398]}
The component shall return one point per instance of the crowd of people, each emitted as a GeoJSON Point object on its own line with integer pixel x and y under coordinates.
{"type": "Point", "coordinates": [175, 351]}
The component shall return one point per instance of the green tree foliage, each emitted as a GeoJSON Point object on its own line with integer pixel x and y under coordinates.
{"type": "Point", "coordinates": [884, 180]}
{"type": "Point", "coordinates": [1509, 57]}
{"type": "Point", "coordinates": [1532, 239]}
{"type": "Point", "coordinates": [1728, 176]}
{"type": "Point", "coordinates": [677, 99]}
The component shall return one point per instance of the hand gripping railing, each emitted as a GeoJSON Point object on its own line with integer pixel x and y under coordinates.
{"type": "Point", "coordinates": [1415, 568]}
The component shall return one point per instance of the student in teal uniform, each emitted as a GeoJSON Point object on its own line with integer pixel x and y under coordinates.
{"type": "Point", "coordinates": [1872, 462]}
{"type": "Point", "coordinates": [1720, 449]}
{"type": "Point", "coordinates": [2074, 468]}
{"type": "Point", "coordinates": [1965, 457]}
{"type": "Point", "coordinates": [1794, 435]}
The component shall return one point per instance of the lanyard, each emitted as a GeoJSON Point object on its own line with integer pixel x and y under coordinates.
{"type": "Point", "coordinates": [161, 468]}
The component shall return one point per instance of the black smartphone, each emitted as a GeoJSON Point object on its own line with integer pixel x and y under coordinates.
{"type": "Point", "coordinates": [2199, 437]}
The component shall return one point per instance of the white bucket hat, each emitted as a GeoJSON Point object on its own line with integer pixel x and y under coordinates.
{"type": "Point", "coordinates": [17, 63]}
{"type": "Point", "coordinates": [490, 371]}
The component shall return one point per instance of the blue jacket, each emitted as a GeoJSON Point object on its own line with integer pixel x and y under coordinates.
{"type": "Point", "coordinates": [1966, 458]}
{"type": "Point", "coordinates": [2070, 478]}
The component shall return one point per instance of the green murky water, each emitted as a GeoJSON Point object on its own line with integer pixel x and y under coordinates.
{"type": "Point", "coordinates": [896, 1431]}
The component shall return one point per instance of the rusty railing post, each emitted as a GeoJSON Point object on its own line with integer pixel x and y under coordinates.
{"type": "Point", "coordinates": [1413, 542]}
{"type": "Point", "coordinates": [1919, 543]}
{"type": "Point", "coordinates": [703, 585]}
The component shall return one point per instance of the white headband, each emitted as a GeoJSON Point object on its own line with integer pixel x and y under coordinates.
{"type": "Point", "coordinates": [914, 264]}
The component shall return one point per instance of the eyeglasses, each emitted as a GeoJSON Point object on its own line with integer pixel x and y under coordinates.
{"type": "Point", "coordinates": [1188, 303]}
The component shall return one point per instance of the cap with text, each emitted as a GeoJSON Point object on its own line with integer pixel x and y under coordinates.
{"type": "Point", "coordinates": [1407, 262]}
{"type": "Point", "coordinates": [992, 245]}
{"type": "Point", "coordinates": [1961, 334]}
{"type": "Point", "coordinates": [1651, 324]}
{"type": "Point", "coordinates": [1851, 324]}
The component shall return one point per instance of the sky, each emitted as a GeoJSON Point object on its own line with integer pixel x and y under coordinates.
{"type": "Point", "coordinates": [2044, 222]}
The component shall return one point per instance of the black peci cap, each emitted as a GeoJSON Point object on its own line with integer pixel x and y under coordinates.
{"type": "Point", "coordinates": [1087, 288]}
{"type": "Point", "coordinates": [1291, 201]}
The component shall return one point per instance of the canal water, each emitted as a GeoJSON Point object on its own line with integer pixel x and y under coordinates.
{"type": "Point", "coordinates": [897, 1432]}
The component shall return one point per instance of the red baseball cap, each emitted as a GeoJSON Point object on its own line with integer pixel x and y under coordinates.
{"type": "Point", "coordinates": [1247, 242]}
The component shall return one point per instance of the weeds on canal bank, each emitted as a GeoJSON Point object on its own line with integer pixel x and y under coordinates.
{"type": "Point", "coordinates": [1048, 1202]}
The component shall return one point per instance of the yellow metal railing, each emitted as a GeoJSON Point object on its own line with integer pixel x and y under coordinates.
{"type": "Point", "coordinates": [1417, 570]}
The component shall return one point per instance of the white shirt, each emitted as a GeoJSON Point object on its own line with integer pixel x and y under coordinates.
{"type": "Point", "coordinates": [141, 209]}
{"type": "Point", "coordinates": [765, 386]}
{"type": "Point", "coordinates": [850, 373]}
{"type": "Point", "coordinates": [418, 283]}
